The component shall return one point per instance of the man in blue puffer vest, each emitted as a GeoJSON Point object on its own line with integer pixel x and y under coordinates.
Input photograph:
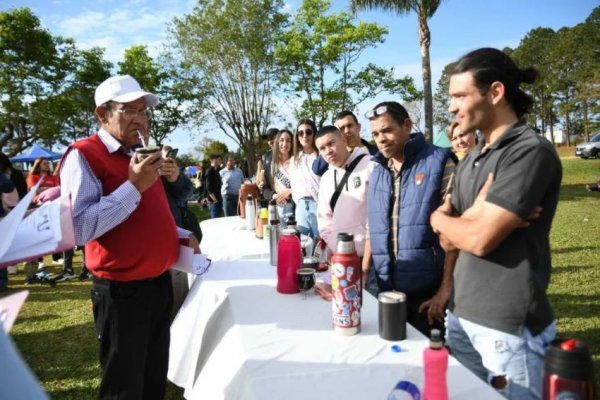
{"type": "Point", "coordinates": [407, 184]}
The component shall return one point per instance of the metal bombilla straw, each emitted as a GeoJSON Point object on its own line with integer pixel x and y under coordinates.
{"type": "Point", "coordinates": [141, 136]}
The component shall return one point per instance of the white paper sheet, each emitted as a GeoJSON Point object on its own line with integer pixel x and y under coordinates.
{"type": "Point", "coordinates": [191, 263]}
{"type": "Point", "coordinates": [10, 307]}
{"type": "Point", "coordinates": [47, 229]}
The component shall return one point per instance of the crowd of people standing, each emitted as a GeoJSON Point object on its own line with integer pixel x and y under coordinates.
{"type": "Point", "coordinates": [463, 233]}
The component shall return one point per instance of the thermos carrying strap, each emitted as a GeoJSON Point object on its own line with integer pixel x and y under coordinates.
{"type": "Point", "coordinates": [340, 186]}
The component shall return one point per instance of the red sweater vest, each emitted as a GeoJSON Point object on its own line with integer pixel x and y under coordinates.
{"type": "Point", "coordinates": [145, 244]}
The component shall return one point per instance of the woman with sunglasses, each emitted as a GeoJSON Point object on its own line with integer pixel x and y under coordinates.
{"type": "Point", "coordinates": [278, 186]}
{"type": "Point", "coordinates": [305, 184]}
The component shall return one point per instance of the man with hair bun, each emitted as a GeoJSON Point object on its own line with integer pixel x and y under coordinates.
{"type": "Point", "coordinates": [499, 217]}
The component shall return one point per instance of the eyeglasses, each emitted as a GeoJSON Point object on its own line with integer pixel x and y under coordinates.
{"type": "Point", "coordinates": [307, 132]}
{"type": "Point", "coordinates": [128, 114]}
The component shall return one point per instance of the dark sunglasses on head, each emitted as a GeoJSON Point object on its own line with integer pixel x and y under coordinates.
{"type": "Point", "coordinates": [376, 112]}
{"type": "Point", "coordinates": [307, 132]}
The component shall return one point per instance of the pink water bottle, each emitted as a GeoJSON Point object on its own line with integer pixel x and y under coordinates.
{"type": "Point", "coordinates": [289, 260]}
{"type": "Point", "coordinates": [435, 365]}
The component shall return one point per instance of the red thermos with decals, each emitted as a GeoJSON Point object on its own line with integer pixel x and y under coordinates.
{"type": "Point", "coordinates": [346, 286]}
{"type": "Point", "coordinates": [568, 371]}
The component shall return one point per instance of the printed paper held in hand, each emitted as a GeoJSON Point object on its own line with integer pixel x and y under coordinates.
{"type": "Point", "coordinates": [191, 263]}
{"type": "Point", "coordinates": [47, 229]}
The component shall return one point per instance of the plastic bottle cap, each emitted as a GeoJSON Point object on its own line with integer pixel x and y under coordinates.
{"type": "Point", "coordinates": [435, 341]}
{"type": "Point", "coordinates": [345, 237]}
{"type": "Point", "coordinates": [569, 345]}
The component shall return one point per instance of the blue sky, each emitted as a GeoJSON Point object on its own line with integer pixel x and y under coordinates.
{"type": "Point", "coordinates": [457, 27]}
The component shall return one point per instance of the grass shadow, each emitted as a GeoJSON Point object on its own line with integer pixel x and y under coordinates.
{"type": "Point", "coordinates": [575, 192]}
{"type": "Point", "coordinates": [68, 353]}
{"type": "Point", "coordinates": [61, 292]}
{"type": "Point", "coordinates": [565, 250]}
{"type": "Point", "coordinates": [575, 305]}
{"type": "Point", "coordinates": [571, 269]}
{"type": "Point", "coordinates": [37, 318]}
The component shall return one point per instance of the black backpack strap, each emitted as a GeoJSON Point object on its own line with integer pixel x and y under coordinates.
{"type": "Point", "coordinates": [340, 186]}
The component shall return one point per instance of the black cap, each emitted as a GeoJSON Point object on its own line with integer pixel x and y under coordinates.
{"type": "Point", "coordinates": [270, 133]}
{"type": "Point", "coordinates": [345, 237]}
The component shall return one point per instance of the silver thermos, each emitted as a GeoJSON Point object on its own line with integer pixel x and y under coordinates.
{"type": "Point", "coordinates": [273, 240]}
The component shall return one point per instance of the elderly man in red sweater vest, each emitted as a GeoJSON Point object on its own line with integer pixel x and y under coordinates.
{"type": "Point", "coordinates": [122, 216]}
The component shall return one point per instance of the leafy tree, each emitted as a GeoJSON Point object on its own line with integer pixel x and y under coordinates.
{"type": "Point", "coordinates": [564, 82]}
{"type": "Point", "coordinates": [187, 159]}
{"type": "Point", "coordinates": [226, 50]}
{"type": "Point", "coordinates": [317, 53]}
{"type": "Point", "coordinates": [587, 72]}
{"type": "Point", "coordinates": [534, 50]}
{"type": "Point", "coordinates": [424, 10]}
{"type": "Point", "coordinates": [208, 146]}
{"type": "Point", "coordinates": [33, 65]}
{"type": "Point", "coordinates": [441, 99]}
{"type": "Point", "coordinates": [155, 77]}
{"type": "Point", "coordinates": [90, 70]}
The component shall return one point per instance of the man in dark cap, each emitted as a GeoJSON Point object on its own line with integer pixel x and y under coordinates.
{"type": "Point", "coordinates": [265, 161]}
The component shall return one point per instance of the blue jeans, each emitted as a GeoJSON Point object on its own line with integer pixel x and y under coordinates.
{"type": "Point", "coordinates": [306, 217]}
{"type": "Point", "coordinates": [216, 209]}
{"type": "Point", "coordinates": [230, 204]}
{"type": "Point", "coordinates": [489, 353]}
{"type": "Point", "coordinates": [284, 211]}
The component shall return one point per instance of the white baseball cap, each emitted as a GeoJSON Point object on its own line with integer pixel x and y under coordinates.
{"type": "Point", "coordinates": [122, 89]}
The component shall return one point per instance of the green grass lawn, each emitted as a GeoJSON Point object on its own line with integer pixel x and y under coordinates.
{"type": "Point", "coordinates": [55, 333]}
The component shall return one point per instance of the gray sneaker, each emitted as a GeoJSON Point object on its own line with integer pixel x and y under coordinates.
{"type": "Point", "coordinates": [65, 275]}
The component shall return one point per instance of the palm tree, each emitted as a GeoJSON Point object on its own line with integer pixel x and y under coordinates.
{"type": "Point", "coordinates": [425, 10]}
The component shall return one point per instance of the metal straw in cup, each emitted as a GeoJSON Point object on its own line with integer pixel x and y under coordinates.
{"type": "Point", "coordinates": [141, 136]}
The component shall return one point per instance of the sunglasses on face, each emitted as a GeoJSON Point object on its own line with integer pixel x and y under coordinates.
{"type": "Point", "coordinates": [307, 132]}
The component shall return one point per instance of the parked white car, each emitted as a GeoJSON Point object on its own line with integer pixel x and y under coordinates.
{"type": "Point", "coordinates": [589, 149]}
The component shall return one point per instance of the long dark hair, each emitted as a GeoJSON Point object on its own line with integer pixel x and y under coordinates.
{"type": "Point", "coordinates": [297, 145]}
{"type": "Point", "coordinates": [490, 65]}
{"type": "Point", "coordinates": [37, 166]}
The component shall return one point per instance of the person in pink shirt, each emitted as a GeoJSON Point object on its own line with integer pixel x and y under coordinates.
{"type": "Point", "coordinates": [342, 203]}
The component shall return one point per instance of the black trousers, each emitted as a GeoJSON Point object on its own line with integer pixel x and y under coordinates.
{"type": "Point", "coordinates": [132, 324]}
{"type": "Point", "coordinates": [419, 320]}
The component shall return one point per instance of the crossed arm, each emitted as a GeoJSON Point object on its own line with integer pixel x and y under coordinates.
{"type": "Point", "coordinates": [481, 228]}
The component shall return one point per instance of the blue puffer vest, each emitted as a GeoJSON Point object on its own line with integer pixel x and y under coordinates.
{"type": "Point", "coordinates": [420, 259]}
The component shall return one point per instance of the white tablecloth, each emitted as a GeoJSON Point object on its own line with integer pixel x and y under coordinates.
{"type": "Point", "coordinates": [236, 337]}
{"type": "Point", "coordinates": [228, 239]}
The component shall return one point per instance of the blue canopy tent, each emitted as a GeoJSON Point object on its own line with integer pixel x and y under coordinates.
{"type": "Point", "coordinates": [36, 151]}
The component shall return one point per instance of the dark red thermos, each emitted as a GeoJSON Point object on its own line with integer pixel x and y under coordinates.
{"type": "Point", "coordinates": [568, 371]}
